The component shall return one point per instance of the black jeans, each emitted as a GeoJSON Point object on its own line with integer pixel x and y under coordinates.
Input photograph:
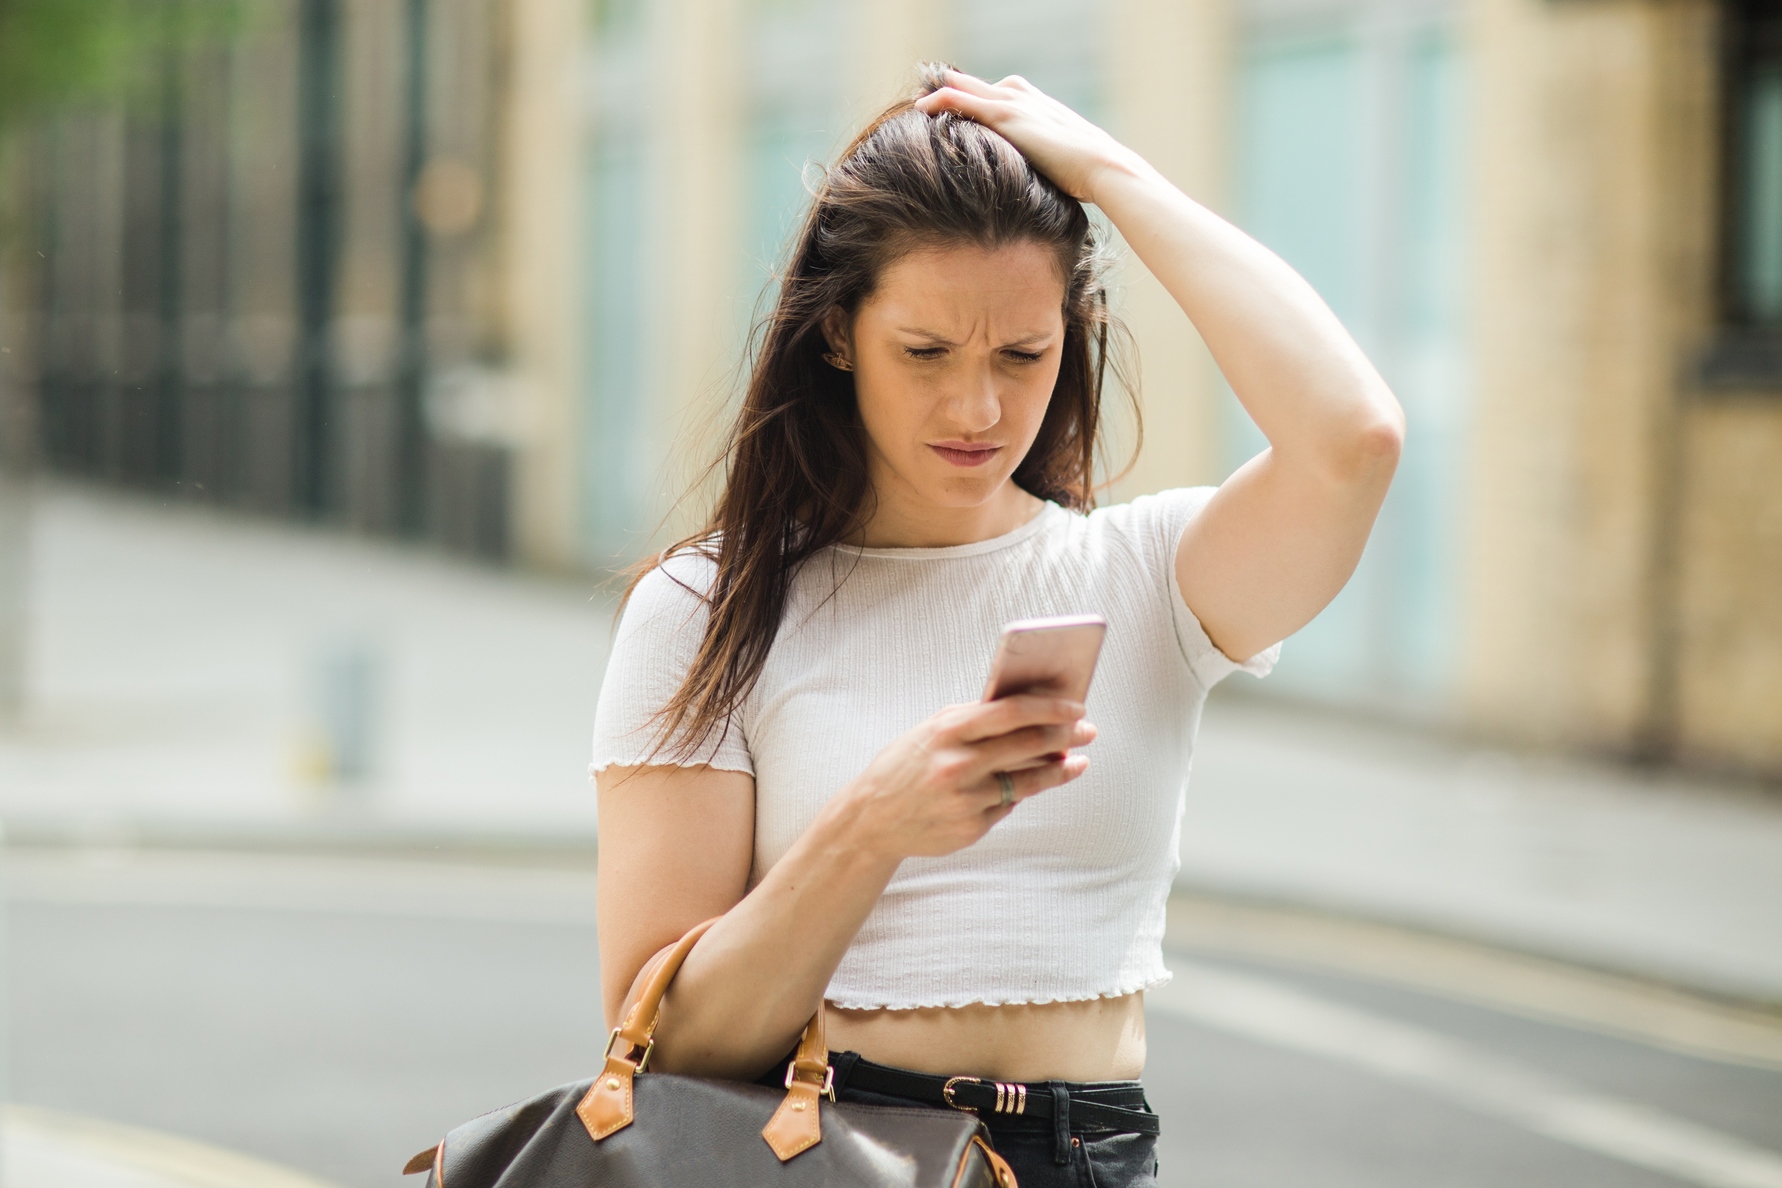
{"type": "Point", "coordinates": [1054, 1152]}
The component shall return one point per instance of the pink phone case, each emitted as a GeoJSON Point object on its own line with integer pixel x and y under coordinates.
{"type": "Point", "coordinates": [1051, 656]}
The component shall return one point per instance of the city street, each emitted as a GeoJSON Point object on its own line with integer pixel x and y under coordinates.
{"type": "Point", "coordinates": [359, 361]}
{"type": "Point", "coordinates": [333, 1015]}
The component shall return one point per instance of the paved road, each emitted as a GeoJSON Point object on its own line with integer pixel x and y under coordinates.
{"type": "Point", "coordinates": [336, 1015]}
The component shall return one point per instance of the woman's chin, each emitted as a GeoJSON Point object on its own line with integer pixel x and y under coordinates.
{"type": "Point", "coordinates": [961, 492]}
{"type": "Point", "coordinates": [945, 487]}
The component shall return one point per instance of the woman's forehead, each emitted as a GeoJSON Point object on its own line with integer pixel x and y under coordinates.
{"type": "Point", "coordinates": [1015, 284]}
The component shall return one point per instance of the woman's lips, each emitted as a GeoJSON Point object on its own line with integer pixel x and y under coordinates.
{"type": "Point", "coordinates": [962, 453]}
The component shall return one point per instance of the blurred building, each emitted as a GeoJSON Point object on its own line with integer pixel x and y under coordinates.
{"type": "Point", "coordinates": [484, 269]}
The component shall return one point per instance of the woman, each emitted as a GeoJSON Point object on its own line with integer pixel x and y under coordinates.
{"type": "Point", "coordinates": [789, 734]}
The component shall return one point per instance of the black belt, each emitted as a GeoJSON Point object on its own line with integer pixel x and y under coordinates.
{"type": "Point", "coordinates": [996, 1101]}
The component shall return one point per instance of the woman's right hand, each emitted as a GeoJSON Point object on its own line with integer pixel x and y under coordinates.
{"type": "Point", "coordinates": [934, 790]}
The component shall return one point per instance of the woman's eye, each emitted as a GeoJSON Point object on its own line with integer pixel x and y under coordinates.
{"type": "Point", "coordinates": [924, 352]}
{"type": "Point", "coordinates": [1023, 356]}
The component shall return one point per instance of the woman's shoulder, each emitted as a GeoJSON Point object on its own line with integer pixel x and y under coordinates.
{"type": "Point", "coordinates": [681, 579]}
{"type": "Point", "coordinates": [1151, 521]}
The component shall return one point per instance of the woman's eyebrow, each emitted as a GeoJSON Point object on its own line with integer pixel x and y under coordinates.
{"type": "Point", "coordinates": [1035, 338]}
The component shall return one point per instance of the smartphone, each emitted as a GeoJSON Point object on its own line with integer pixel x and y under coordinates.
{"type": "Point", "coordinates": [1055, 657]}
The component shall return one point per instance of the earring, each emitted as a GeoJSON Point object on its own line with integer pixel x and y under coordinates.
{"type": "Point", "coordinates": [838, 361]}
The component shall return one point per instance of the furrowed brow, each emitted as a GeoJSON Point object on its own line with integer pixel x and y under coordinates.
{"type": "Point", "coordinates": [928, 335]}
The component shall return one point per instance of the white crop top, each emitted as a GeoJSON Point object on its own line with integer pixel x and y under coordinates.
{"type": "Point", "coordinates": [1064, 899]}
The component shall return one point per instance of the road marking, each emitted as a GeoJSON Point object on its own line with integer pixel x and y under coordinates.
{"type": "Point", "coordinates": [49, 1149]}
{"type": "Point", "coordinates": [1260, 1009]}
{"type": "Point", "coordinates": [1533, 987]}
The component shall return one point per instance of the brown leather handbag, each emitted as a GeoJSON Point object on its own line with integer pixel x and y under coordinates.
{"type": "Point", "coordinates": [631, 1129]}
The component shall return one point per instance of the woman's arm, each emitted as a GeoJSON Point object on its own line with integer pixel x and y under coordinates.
{"type": "Point", "coordinates": [675, 848]}
{"type": "Point", "coordinates": [1283, 534]}
{"type": "Point", "coordinates": [676, 845]}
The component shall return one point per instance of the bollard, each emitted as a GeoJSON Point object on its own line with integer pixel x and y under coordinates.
{"type": "Point", "coordinates": [340, 742]}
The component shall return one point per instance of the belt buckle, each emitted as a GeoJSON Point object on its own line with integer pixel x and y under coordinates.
{"type": "Point", "coordinates": [1011, 1097]}
{"type": "Point", "coordinates": [947, 1092]}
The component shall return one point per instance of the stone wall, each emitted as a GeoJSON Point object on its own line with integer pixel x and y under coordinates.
{"type": "Point", "coordinates": [1595, 194]}
{"type": "Point", "coordinates": [1729, 597]}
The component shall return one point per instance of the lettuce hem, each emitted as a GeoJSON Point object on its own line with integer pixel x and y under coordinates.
{"type": "Point", "coordinates": [1119, 991]}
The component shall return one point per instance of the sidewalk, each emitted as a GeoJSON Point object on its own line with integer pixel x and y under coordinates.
{"type": "Point", "coordinates": [179, 664]}
{"type": "Point", "coordinates": [178, 658]}
{"type": "Point", "coordinates": [1657, 875]}
{"type": "Point", "coordinates": [48, 1149]}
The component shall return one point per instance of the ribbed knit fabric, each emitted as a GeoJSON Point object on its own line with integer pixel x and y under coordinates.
{"type": "Point", "coordinates": [1063, 900]}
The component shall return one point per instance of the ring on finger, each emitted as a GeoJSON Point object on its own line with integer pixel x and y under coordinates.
{"type": "Point", "coordinates": [1007, 783]}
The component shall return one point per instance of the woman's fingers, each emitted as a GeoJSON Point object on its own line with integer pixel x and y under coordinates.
{"type": "Point", "coordinates": [982, 108]}
{"type": "Point", "coordinates": [971, 84]}
{"type": "Point", "coordinates": [988, 719]}
{"type": "Point", "coordinates": [1022, 747]}
{"type": "Point", "coordinates": [985, 89]}
{"type": "Point", "coordinates": [1032, 782]}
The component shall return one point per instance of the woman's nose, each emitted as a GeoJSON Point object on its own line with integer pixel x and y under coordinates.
{"type": "Point", "coordinates": [975, 404]}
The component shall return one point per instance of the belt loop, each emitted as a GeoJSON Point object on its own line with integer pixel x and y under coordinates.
{"type": "Point", "coordinates": [1060, 1123]}
{"type": "Point", "coordinates": [843, 1065]}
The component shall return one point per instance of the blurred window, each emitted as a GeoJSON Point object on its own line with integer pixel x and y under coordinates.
{"type": "Point", "coordinates": [1754, 266]}
{"type": "Point", "coordinates": [1350, 148]}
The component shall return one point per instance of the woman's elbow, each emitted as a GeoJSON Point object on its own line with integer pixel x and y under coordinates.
{"type": "Point", "coordinates": [1382, 440]}
{"type": "Point", "coordinates": [1366, 452]}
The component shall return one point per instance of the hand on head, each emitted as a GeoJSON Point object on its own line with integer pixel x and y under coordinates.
{"type": "Point", "coordinates": [1063, 145]}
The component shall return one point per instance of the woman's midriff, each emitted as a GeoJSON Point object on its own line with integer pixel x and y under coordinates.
{"type": "Point", "coordinates": [1102, 1039]}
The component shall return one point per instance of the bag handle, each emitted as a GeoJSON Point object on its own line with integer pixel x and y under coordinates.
{"type": "Point", "coordinates": [609, 1106]}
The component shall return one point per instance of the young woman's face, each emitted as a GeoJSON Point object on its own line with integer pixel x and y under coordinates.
{"type": "Point", "coordinates": [955, 356]}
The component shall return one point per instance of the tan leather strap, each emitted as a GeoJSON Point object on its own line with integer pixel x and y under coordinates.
{"type": "Point", "coordinates": [1000, 1170]}
{"type": "Point", "coordinates": [607, 1106]}
{"type": "Point", "coordinates": [422, 1161]}
{"type": "Point", "coordinates": [795, 1126]}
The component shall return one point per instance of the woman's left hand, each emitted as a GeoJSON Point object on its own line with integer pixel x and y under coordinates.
{"type": "Point", "coordinates": [1063, 145]}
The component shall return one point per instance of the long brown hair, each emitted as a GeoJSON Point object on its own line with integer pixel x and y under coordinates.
{"type": "Point", "coordinates": [794, 463]}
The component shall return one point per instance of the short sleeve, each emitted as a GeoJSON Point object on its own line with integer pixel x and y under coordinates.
{"type": "Point", "coordinates": [1159, 521]}
{"type": "Point", "coordinates": [658, 637]}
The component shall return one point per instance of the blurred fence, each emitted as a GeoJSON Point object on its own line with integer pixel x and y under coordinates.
{"type": "Point", "coordinates": [242, 293]}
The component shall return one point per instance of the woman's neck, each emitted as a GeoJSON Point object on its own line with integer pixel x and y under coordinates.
{"type": "Point", "coordinates": [911, 523]}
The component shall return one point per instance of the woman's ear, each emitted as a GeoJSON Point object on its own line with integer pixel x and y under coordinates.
{"type": "Point", "coordinates": [836, 327]}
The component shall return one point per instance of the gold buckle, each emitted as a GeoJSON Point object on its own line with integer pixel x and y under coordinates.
{"type": "Point", "coordinates": [828, 1089]}
{"type": "Point", "coordinates": [1011, 1097]}
{"type": "Point", "coordinates": [947, 1092]}
{"type": "Point", "coordinates": [640, 1063]}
